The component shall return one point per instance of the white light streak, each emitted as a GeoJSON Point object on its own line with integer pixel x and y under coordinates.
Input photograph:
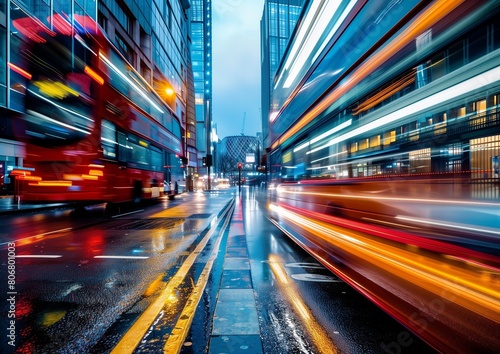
{"type": "Point", "coordinates": [335, 28]}
{"type": "Point", "coordinates": [41, 116]}
{"type": "Point", "coordinates": [448, 225]}
{"type": "Point", "coordinates": [38, 256]}
{"type": "Point", "coordinates": [141, 92]}
{"type": "Point", "coordinates": [326, 14]}
{"type": "Point", "coordinates": [324, 135]}
{"type": "Point", "coordinates": [303, 30]}
{"type": "Point", "coordinates": [121, 257]}
{"type": "Point", "coordinates": [470, 85]}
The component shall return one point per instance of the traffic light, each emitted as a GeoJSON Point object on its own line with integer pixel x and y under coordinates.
{"type": "Point", "coordinates": [207, 160]}
{"type": "Point", "coordinates": [240, 165]}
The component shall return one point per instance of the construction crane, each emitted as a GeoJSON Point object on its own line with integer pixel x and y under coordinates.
{"type": "Point", "coordinates": [243, 126]}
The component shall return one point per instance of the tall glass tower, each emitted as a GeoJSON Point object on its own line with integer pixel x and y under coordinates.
{"type": "Point", "coordinates": [277, 25]}
{"type": "Point", "coordinates": [201, 56]}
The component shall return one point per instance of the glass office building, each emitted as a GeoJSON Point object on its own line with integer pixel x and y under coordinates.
{"type": "Point", "coordinates": [237, 149]}
{"type": "Point", "coordinates": [201, 56]}
{"type": "Point", "coordinates": [277, 25]}
{"type": "Point", "coordinates": [154, 37]}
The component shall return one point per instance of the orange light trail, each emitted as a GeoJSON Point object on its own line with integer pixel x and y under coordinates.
{"type": "Point", "coordinates": [98, 78]}
{"type": "Point", "coordinates": [20, 71]}
{"type": "Point", "coordinates": [52, 183]}
{"type": "Point", "coordinates": [426, 19]}
{"type": "Point", "coordinates": [477, 294]}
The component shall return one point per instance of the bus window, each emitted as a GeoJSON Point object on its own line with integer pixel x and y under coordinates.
{"type": "Point", "coordinates": [108, 139]}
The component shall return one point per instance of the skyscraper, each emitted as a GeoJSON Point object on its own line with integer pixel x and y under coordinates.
{"type": "Point", "coordinates": [201, 55]}
{"type": "Point", "coordinates": [153, 37]}
{"type": "Point", "coordinates": [277, 25]}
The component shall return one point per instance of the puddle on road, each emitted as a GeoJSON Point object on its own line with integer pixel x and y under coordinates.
{"type": "Point", "coordinates": [51, 313]}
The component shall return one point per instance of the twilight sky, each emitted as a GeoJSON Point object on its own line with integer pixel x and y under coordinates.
{"type": "Point", "coordinates": [236, 66]}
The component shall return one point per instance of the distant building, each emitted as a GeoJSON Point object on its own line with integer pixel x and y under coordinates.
{"type": "Point", "coordinates": [238, 149]}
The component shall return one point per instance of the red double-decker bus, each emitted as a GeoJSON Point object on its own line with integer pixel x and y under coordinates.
{"type": "Point", "coordinates": [95, 130]}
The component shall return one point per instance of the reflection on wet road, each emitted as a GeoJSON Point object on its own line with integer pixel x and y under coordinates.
{"type": "Point", "coordinates": [303, 307]}
{"type": "Point", "coordinates": [76, 286]}
{"type": "Point", "coordinates": [180, 277]}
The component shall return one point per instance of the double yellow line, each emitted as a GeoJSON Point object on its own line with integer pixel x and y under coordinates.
{"type": "Point", "coordinates": [136, 333]}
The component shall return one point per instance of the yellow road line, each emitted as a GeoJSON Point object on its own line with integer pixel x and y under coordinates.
{"type": "Point", "coordinates": [134, 335]}
{"type": "Point", "coordinates": [179, 333]}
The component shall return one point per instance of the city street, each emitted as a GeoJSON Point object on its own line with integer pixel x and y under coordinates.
{"type": "Point", "coordinates": [262, 177]}
{"type": "Point", "coordinates": [85, 283]}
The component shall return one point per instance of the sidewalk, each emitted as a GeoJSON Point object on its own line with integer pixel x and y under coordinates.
{"type": "Point", "coordinates": [235, 322]}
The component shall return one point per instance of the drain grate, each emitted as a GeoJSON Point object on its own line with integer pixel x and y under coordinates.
{"type": "Point", "coordinates": [145, 224]}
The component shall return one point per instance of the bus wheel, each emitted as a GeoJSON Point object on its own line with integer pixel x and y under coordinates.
{"type": "Point", "coordinates": [79, 211]}
{"type": "Point", "coordinates": [333, 209]}
{"type": "Point", "coordinates": [137, 191]}
{"type": "Point", "coordinates": [111, 209]}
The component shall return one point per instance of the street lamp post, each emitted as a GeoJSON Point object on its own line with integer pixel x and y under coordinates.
{"type": "Point", "coordinates": [208, 127]}
{"type": "Point", "coordinates": [239, 176]}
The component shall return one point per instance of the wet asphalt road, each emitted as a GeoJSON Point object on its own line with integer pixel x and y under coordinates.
{"type": "Point", "coordinates": [76, 283]}
{"type": "Point", "coordinates": [304, 308]}
{"type": "Point", "coordinates": [104, 272]}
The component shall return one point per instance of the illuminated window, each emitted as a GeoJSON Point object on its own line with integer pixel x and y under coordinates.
{"type": "Point", "coordinates": [483, 152]}
{"type": "Point", "coordinates": [364, 144]}
{"type": "Point", "coordinates": [420, 161]}
{"type": "Point", "coordinates": [389, 137]}
{"type": "Point", "coordinates": [481, 106]}
{"type": "Point", "coordinates": [287, 157]}
{"type": "Point", "coordinates": [108, 139]}
{"type": "Point", "coordinates": [375, 141]}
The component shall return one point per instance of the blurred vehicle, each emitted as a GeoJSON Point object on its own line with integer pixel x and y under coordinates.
{"type": "Point", "coordinates": [384, 145]}
{"type": "Point", "coordinates": [222, 183]}
{"type": "Point", "coordinates": [95, 129]}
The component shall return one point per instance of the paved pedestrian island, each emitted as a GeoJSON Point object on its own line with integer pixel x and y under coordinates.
{"type": "Point", "coordinates": [235, 323]}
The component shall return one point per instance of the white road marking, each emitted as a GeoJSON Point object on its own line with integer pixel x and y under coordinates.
{"type": "Point", "coordinates": [121, 257]}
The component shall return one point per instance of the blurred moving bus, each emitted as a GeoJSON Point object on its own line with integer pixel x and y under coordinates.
{"type": "Point", "coordinates": [385, 123]}
{"type": "Point", "coordinates": [96, 130]}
